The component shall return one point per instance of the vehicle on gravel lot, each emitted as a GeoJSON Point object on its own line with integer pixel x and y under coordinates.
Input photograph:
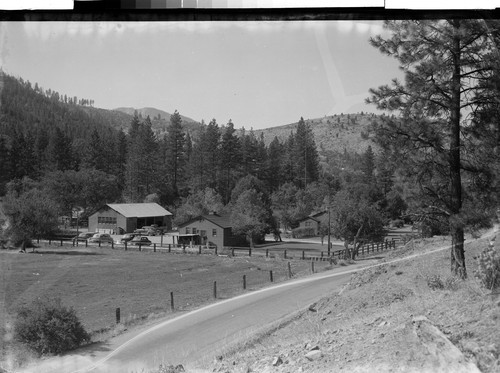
{"type": "Point", "coordinates": [128, 237]}
{"type": "Point", "coordinates": [140, 241]}
{"type": "Point", "coordinates": [149, 230]}
{"type": "Point", "coordinates": [101, 237]}
{"type": "Point", "coordinates": [83, 236]}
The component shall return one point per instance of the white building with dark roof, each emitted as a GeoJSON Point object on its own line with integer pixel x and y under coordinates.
{"type": "Point", "coordinates": [121, 218]}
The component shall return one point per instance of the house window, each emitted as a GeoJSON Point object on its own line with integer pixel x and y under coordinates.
{"type": "Point", "coordinates": [188, 230]}
{"type": "Point", "coordinates": [214, 232]}
{"type": "Point", "coordinates": [203, 233]}
{"type": "Point", "coordinates": [308, 223]}
{"type": "Point", "coordinates": [195, 231]}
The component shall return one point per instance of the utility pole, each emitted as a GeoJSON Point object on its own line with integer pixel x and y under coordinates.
{"type": "Point", "coordinates": [329, 227]}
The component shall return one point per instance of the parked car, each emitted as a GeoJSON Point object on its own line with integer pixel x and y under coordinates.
{"type": "Point", "coordinates": [152, 230]}
{"type": "Point", "coordinates": [83, 236]}
{"type": "Point", "coordinates": [101, 237]}
{"type": "Point", "coordinates": [140, 241]}
{"type": "Point", "coordinates": [128, 237]}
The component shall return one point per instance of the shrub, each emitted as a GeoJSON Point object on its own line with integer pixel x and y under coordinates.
{"type": "Point", "coordinates": [435, 282]}
{"type": "Point", "coordinates": [46, 326]}
{"type": "Point", "coordinates": [303, 232]}
{"type": "Point", "coordinates": [488, 271]}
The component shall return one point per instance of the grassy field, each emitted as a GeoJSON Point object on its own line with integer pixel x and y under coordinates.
{"type": "Point", "coordinates": [96, 281]}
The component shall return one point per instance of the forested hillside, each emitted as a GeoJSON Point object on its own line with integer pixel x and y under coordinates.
{"type": "Point", "coordinates": [80, 156]}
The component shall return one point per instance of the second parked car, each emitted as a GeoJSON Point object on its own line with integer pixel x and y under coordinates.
{"type": "Point", "coordinates": [140, 241]}
{"type": "Point", "coordinates": [83, 236]}
{"type": "Point", "coordinates": [128, 237]}
{"type": "Point", "coordinates": [101, 238]}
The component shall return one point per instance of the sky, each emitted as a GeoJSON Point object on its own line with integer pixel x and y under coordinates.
{"type": "Point", "coordinates": [258, 74]}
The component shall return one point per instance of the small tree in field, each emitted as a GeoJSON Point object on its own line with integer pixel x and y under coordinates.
{"type": "Point", "coordinates": [250, 215]}
{"type": "Point", "coordinates": [354, 220]}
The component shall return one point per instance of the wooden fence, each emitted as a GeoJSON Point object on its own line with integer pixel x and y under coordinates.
{"type": "Point", "coordinates": [295, 254]}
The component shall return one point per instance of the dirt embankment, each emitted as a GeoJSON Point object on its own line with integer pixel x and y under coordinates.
{"type": "Point", "coordinates": [409, 316]}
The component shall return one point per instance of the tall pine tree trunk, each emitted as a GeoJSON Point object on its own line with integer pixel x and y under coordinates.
{"type": "Point", "coordinates": [456, 228]}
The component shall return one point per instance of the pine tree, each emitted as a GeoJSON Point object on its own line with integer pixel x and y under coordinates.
{"type": "Point", "coordinates": [210, 150]}
{"type": "Point", "coordinates": [274, 164]}
{"type": "Point", "coordinates": [306, 155]}
{"type": "Point", "coordinates": [5, 170]}
{"type": "Point", "coordinates": [368, 166]}
{"type": "Point", "coordinates": [175, 152]}
{"type": "Point", "coordinates": [444, 66]}
{"type": "Point", "coordinates": [229, 160]}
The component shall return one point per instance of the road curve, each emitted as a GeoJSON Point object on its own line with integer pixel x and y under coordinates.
{"type": "Point", "coordinates": [202, 333]}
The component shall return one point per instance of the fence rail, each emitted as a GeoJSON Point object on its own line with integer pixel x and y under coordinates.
{"type": "Point", "coordinates": [295, 253]}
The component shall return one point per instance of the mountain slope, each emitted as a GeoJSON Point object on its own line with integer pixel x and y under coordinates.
{"type": "Point", "coordinates": [153, 113]}
{"type": "Point", "coordinates": [353, 132]}
{"type": "Point", "coordinates": [160, 119]}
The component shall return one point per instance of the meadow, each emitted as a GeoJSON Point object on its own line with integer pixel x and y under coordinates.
{"type": "Point", "coordinates": [95, 281]}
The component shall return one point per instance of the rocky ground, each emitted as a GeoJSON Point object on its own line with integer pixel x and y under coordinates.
{"type": "Point", "coordinates": [373, 324]}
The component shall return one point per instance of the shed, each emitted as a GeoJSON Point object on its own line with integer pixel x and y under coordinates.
{"type": "Point", "coordinates": [315, 221]}
{"type": "Point", "coordinates": [126, 217]}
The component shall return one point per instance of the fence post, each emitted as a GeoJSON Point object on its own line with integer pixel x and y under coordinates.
{"type": "Point", "coordinates": [244, 282]}
{"type": "Point", "coordinates": [322, 255]}
{"type": "Point", "coordinates": [86, 243]}
{"type": "Point", "coordinates": [215, 289]}
{"type": "Point", "coordinates": [38, 240]}
{"type": "Point", "coordinates": [118, 315]}
{"type": "Point", "coordinates": [267, 253]}
{"type": "Point", "coordinates": [125, 245]}
{"type": "Point", "coordinates": [199, 250]}
{"type": "Point", "coordinates": [99, 243]}
{"type": "Point", "coordinates": [184, 248]}
{"type": "Point", "coordinates": [285, 254]}
{"type": "Point", "coordinates": [216, 251]}
{"type": "Point", "coordinates": [172, 301]}
{"type": "Point", "coordinates": [303, 254]}
{"type": "Point", "coordinates": [250, 252]}
{"type": "Point", "coordinates": [154, 248]}
{"type": "Point", "coordinates": [289, 270]}
{"type": "Point", "coordinates": [271, 276]}
{"type": "Point", "coordinates": [312, 266]}
{"type": "Point", "coordinates": [112, 244]}
{"type": "Point", "coordinates": [232, 251]}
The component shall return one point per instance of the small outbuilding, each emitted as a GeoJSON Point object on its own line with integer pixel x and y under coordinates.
{"type": "Point", "coordinates": [315, 221]}
{"type": "Point", "coordinates": [211, 230]}
{"type": "Point", "coordinates": [121, 218]}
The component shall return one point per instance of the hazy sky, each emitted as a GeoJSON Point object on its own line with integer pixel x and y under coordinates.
{"type": "Point", "coordinates": [259, 74]}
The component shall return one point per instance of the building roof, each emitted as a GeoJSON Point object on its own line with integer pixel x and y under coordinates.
{"type": "Point", "coordinates": [221, 221]}
{"type": "Point", "coordinates": [316, 217]}
{"type": "Point", "coordinates": [139, 210]}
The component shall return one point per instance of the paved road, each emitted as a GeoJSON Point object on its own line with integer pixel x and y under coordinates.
{"type": "Point", "coordinates": [199, 335]}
